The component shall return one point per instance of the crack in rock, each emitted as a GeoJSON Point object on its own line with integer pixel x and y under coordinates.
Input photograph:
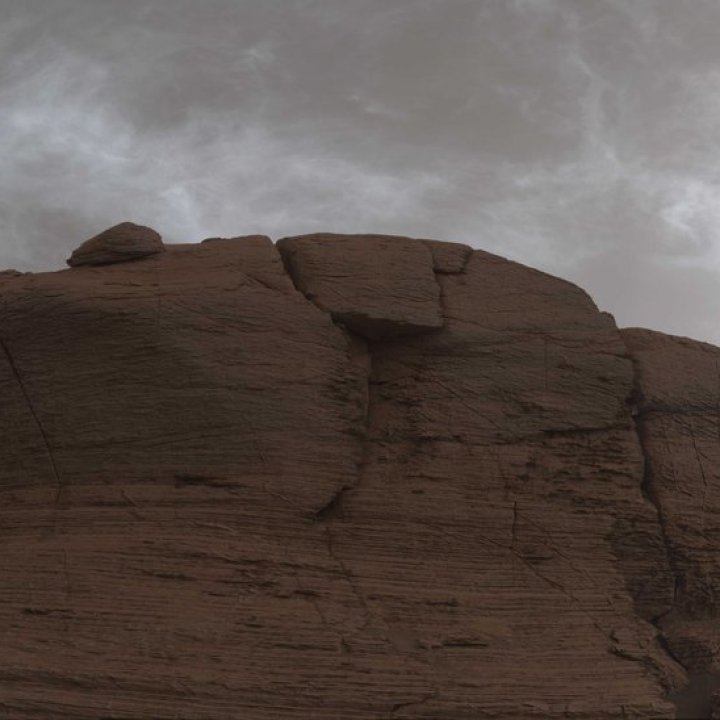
{"type": "Point", "coordinates": [649, 491]}
{"type": "Point", "coordinates": [331, 508]}
{"type": "Point", "coordinates": [36, 418]}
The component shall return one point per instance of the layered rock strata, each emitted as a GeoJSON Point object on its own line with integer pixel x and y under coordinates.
{"type": "Point", "coordinates": [678, 418]}
{"type": "Point", "coordinates": [349, 477]}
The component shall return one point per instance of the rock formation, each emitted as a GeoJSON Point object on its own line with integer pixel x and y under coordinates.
{"type": "Point", "coordinates": [357, 477]}
{"type": "Point", "coordinates": [120, 243]}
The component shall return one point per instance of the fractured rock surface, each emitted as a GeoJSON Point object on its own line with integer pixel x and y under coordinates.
{"type": "Point", "coordinates": [448, 257]}
{"type": "Point", "coordinates": [376, 285]}
{"type": "Point", "coordinates": [349, 477]}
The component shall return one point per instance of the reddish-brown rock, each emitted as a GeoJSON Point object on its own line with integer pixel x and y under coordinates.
{"type": "Point", "coordinates": [219, 501]}
{"type": "Point", "coordinates": [120, 243]}
{"type": "Point", "coordinates": [448, 257]}
{"type": "Point", "coordinates": [376, 285]}
{"type": "Point", "coordinates": [678, 415]}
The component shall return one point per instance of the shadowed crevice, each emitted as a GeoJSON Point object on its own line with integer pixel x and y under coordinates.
{"type": "Point", "coordinates": [332, 507]}
{"type": "Point", "coordinates": [700, 699]}
{"type": "Point", "coordinates": [687, 697]}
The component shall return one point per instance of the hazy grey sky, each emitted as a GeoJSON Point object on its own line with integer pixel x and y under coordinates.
{"type": "Point", "coordinates": [581, 137]}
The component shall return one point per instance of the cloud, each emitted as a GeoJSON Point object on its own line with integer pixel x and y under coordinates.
{"type": "Point", "coordinates": [575, 137]}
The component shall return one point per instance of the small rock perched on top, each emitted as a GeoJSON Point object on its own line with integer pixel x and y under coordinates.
{"type": "Point", "coordinates": [120, 243]}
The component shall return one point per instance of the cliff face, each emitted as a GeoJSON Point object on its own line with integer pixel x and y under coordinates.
{"type": "Point", "coordinates": [349, 477]}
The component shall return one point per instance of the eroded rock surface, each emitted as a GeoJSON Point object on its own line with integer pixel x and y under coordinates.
{"type": "Point", "coordinates": [120, 243]}
{"type": "Point", "coordinates": [349, 477]}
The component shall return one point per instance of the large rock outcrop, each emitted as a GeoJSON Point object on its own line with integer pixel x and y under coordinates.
{"type": "Point", "coordinates": [349, 477]}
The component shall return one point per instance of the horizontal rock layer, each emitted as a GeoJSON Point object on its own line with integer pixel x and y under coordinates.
{"type": "Point", "coordinates": [349, 476]}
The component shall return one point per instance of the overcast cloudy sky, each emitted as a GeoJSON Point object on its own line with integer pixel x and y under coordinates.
{"type": "Point", "coordinates": [581, 137]}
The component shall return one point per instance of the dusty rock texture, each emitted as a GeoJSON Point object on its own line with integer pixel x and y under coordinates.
{"type": "Point", "coordinates": [355, 477]}
{"type": "Point", "coordinates": [120, 243]}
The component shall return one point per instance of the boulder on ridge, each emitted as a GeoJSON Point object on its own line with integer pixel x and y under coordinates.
{"type": "Point", "coordinates": [119, 243]}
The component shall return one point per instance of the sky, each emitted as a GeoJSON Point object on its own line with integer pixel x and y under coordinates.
{"type": "Point", "coordinates": [580, 137]}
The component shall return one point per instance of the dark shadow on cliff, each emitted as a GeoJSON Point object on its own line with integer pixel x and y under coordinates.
{"type": "Point", "coordinates": [699, 700]}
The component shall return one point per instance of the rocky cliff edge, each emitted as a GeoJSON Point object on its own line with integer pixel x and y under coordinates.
{"type": "Point", "coordinates": [347, 476]}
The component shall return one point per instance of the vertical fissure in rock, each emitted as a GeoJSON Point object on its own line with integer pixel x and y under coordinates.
{"type": "Point", "coordinates": [441, 295]}
{"type": "Point", "coordinates": [368, 333]}
{"type": "Point", "coordinates": [334, 505]}
{"type": "Point", "coordinates": [696, 698]}
{"type": "Point", "coordinates": [287, 263]}
{"type": "Point", "coordinates": [648, 488]}
{"type": "Point", "coordinates": [465, 263]}
{"type": "Point", "coordinates": [33, 412]}
{"type": "Point", "coordinates": [649, 491]}
{"type": "Point", "coordinates": [440, 274]}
